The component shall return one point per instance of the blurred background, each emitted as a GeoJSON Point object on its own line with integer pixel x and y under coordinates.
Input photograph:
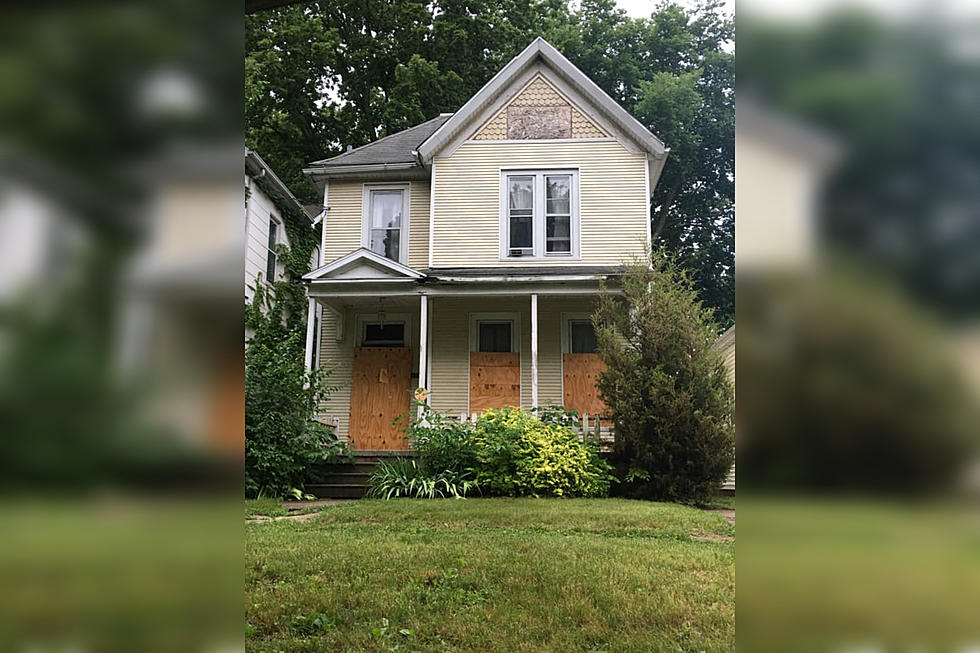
{"type": "Point", "coordinates": [858, 307]}
{"type": "Point", "coordinates": [121, 380]}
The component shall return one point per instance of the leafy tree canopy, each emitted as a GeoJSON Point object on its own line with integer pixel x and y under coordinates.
{"type": "Point", "coordinates": [329, 74]}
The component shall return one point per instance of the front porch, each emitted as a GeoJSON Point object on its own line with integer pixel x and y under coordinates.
{"type": "Point", "coordinates": [473, 344]}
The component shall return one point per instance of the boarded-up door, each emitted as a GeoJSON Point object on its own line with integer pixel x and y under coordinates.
{"type": "Point", "coordinates": [495, 380]}
{"type": "Point", "coordinates": [581, 375]}
{"type": "Point", "coordinates": [380, 393]}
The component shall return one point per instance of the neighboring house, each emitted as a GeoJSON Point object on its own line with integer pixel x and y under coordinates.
{"type": "Point", "coordinates": [264, 226]}
{"type": "Point", "coordinates": [726, 345]}
{"type": "Point", "coordinates": [464, 255]}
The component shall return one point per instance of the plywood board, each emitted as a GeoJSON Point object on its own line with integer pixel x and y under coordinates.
{"type": "Point", "coordinates": [581, 375]}
{"type": "Point", "coordinates": [495, 380]}
{"type": "Point", "coordinates": [380, 393]}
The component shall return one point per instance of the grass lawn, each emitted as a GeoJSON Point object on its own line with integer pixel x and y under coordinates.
{"type": "Point", "coordinates": [492, 575]}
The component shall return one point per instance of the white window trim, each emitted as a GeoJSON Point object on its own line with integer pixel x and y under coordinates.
{"type": "Point", "coordinates": [406, 188]}
{"type": "Point", "coordinates": [363, 319]}
{"type": "Point", "coordinates": [515, 334]}
{"type": "Point", "coordinates": [539, 253]}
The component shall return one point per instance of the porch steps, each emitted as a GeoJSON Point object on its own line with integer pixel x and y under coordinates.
{"type": "Point", "coordinates": [349, 480]}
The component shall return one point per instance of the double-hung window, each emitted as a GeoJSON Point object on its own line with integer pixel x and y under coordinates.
{"type": "Point", "coordinates": [272, 259]}
{"type": "Point", "coordinates": [385, 230]}
{"type": "Point", "coordinates": [539, 217]}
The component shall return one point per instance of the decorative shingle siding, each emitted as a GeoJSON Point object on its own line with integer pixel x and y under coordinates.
{"type": "Point", "coordinates": [539, 93]}
{"type": "Point", "coordinates": [613, 202]}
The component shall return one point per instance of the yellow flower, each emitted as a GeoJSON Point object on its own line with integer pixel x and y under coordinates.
{"type": "Point", "coordinates": [421, 394]}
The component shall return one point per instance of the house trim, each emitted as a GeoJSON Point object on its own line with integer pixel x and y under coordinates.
{"type": "Point", "coordinates": [404, 237]}
{"type": "Point", "coordinates": [432, 212]}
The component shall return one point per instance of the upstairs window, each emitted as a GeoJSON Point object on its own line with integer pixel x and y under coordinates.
{"type": "Point", "coordinates": [540, 214]}
{"type": "Point", "coordinates": [271, 260]}
{"type": "Point", "coordinates": [385, 229]}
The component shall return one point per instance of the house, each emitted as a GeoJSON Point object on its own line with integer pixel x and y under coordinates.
{"type": "Point", "coordinates": [464, 255]}
{"type": "Point", "coordinates": [726, 345]}
{"type": "Point", "coordinates": [265, 228]}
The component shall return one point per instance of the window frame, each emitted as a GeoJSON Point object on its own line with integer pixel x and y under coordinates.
{"type": "Point", "coordinates": [406, 190]}
{"type": "Point", "coordinates": [272, 256]}
{"type": "Point", "coordinates": [495, 318]}
{"type": "Point", "coordinates": [566, 329]}
{"type": "Point", "coordinates": [539, 214]}
{"type": "Point", "coordinates": [364, 319]}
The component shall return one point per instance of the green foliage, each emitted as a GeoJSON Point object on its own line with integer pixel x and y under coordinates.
{"type": "Point", "coordinates": [519, 455]}
{"type": "Point", "coordinates": [404, 477]}
{"type": "Point", "coordinates": [665, 384]}
{"type": "Point", "coordinates": [441, 442]}
{"type": "Point", "coordinates": [319, 78]}
{"type": "Point", "coordinates": [282, 440]}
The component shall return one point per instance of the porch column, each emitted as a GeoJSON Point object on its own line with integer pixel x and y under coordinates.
{"type": "Point", "coordinates": [310, 340]}
{"type": "Point", "coordinates": [423, 343]}
{"type": "Point", "coordinates": [534, 351]}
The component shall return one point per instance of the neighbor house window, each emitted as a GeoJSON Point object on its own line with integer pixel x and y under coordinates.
{"type": "Point", "coordinates": [540, 214]}
{"type": "Point", "coordinates": [386, 221]}
{"type": "Point", "coordinates": [271, 260]}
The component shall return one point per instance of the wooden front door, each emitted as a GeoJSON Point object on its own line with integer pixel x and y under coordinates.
{"type": "Point", "coordinates": [380, 393]}
{"type": "Point", "coordinates": [495, 380]}
{"type": "Point", "coordinates": [581, 373]}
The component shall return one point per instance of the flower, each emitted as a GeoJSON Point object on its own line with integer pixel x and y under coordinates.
{"type": "Point", "coordinates": [421, 394]}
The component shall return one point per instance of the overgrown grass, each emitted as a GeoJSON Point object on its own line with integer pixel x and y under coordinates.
{"type": "Point", "coordinates": [267, 506]}
{"type": "Point", "coordinates": [493, 575]}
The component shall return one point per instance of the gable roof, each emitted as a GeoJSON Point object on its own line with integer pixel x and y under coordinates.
{"type": "Point", "coordinates": [364, 257]}
{"type": "Point", "coordinates": [541, 51]}
{"type": "Point", "coordinates": [397, 148]}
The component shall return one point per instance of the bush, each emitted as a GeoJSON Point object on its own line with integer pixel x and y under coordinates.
{"type": "Point", "coordinates": [666, 386]}
{"type": "Point", "coordinates": [282, 440]}
{"type": "Point", "coordinates": [518, 454]}
{"type": "Point", "coordinates": [508, 452]}
{"type": "Point", "coordinates": [404, 477]}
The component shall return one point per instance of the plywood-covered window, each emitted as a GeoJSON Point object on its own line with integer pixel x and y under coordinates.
{"type": "Point", "coordinates": [539, 214]}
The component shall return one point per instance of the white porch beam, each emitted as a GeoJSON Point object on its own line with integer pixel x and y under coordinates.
{"type": "Point", "coordinates": [423, 343]}
{"type": "Point", "coordinates": [534, 351]}
{"type": "Point", "coordinates": [310, 332]}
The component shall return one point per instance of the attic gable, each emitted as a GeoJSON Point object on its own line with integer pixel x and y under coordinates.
{"type": "Point", "coordinates": [537, 111]}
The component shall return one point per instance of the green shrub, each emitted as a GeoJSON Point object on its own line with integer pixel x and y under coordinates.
{"type": "Point", "coordinates": [404, 477]}
{"type": "Point", "coordinates": [517, 454]}
{"type": "Point", "coordinates": [666, 386]}
{"type": "Point", "coordinates": [441, 443]}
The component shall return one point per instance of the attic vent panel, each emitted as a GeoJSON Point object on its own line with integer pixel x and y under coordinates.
{"type": "Point", "coordinates": [539, 122]}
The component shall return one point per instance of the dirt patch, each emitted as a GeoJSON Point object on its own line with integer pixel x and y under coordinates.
{"type": "Point", "coordinates": [712, 537]}
{"type": "Point", "coordinates": [301, 517]}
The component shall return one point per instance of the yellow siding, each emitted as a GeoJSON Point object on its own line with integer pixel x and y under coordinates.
{"type": "Point", "coordinates": [418, 230]}
{"type": "Point", "coordinates": [343, 233]}
{"type": "Point", "coordinates": [338, 357]}
{"type": "Point", "coordinates": [613, 206]}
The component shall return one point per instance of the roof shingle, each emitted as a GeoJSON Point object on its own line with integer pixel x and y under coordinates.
{"type": "Point", "coordinates": [396, 148]}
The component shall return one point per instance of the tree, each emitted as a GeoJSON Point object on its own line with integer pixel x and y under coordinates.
{"type": "Point", "coordinates": [334, 73]}
{"type": "Point", "coordinates": [665, 384]}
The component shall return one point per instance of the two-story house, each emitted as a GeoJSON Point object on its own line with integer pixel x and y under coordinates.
{"type": "Point", "coordinates": [464, 255]}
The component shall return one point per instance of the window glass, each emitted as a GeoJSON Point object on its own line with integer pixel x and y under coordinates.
{"type": "Point", "coordinates": [521, 213]}
{"type": "Point", "coordinates": [270, 262]}
{"type": "Point", "coordinates": [386, 222]}
{"type": "Point", "coordinates": [583, 340]}
{"type": "Point", "coordinates": [495, 336]}
{"type": "Point", "coordinates": [387, 335]}
{"type": "Point", "coordinates": [558, 216]}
